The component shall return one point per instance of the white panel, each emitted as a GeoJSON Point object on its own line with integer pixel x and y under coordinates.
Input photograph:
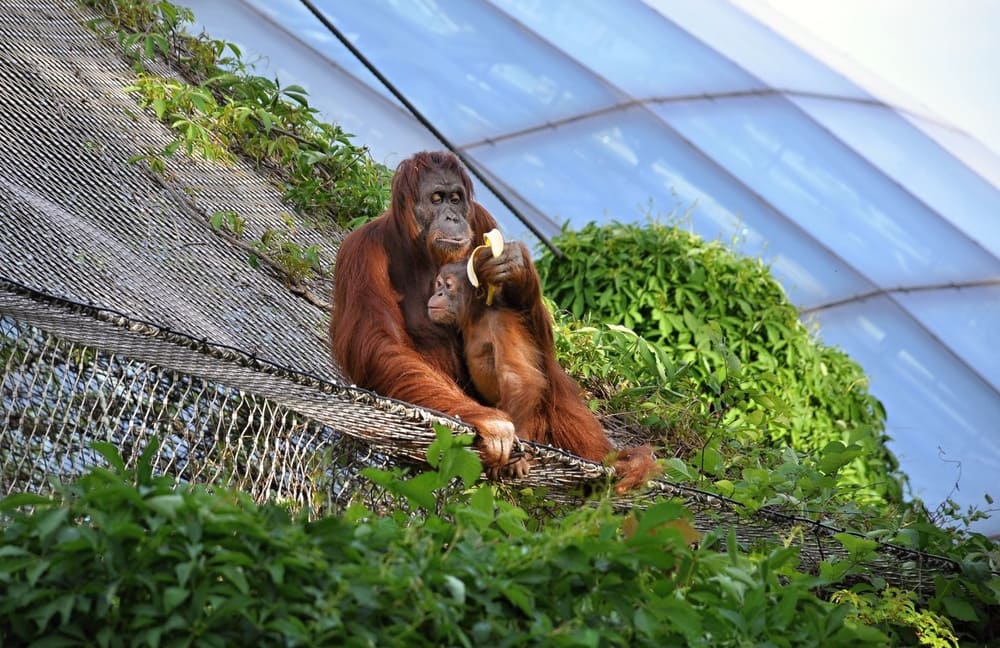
{"type": "Point", "coordinates": [979, 157]}
{"type": "Point", "coordinates": [632, 46]}
{"type": "Point", "coordinates": [941, 417]}
{"type": "Point", "coordinates": [918, 163]}
{"type": "Point", "coordinates": [626, 165]}
{"type": "Point", "coordinates": [296, 19]}
{"type": "Point", "coordinates": [967, 320]}
{"type": "Point", "coordinates": [830, 191]}
{"type": "Point", "coordinates": [469, 68]}
{"type": "Point", "coordinates": [756, 47]}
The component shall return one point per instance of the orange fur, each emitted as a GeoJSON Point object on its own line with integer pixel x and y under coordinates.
{"type": "Point", "coordinates": [380, 334]}
{"type": "Point", "coordinates": [511, 361]}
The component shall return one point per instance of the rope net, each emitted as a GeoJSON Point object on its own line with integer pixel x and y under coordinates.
{"type": "Point", "coordinates": [125, 317]}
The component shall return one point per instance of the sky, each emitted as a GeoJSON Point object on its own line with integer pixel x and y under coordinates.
{"type": "Point", "coordinates": [943, 53]}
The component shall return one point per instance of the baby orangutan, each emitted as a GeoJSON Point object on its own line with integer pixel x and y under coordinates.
{"type": "Point", "coordinates": [513, 367]}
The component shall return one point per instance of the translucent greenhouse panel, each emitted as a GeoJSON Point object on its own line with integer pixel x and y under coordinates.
{"type": "Point", "coordinates": [918, 163]}
{"type": "Point", "coordinates": [942, 418]}
{"type": "Point", "coordinates": [626, 166]}
{"type": "Point", "coordinates": [469, 68]}
{"type": "Point", "coordinates": [756, 47]}
{"type": "Point", "coordinates": [388, 130]}
{"type": "Point", "coordinates": [632, 46]}
{"type": "Point", "coordinates": [967, 320]}
{"type": "Point", "coordinates": [979, 157]}
{"type": "Point", "coordinates": [830, 191]}
{"type": "Point", "coordinates": [293, 17]}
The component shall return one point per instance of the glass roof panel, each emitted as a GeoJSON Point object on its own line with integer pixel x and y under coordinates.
{"type": "Point", "coordinates": [967, 320]}
{"type": "Point", "coordinates": [623, 165]}
{"type": "Point", "coordinates": [834, 194]}
{"type": "Point", "coordinates": [980, 158]}
{"type": "Point", "coordinates": [915, 161]}
{"type": "Point", "coordinates": [942, 419]}
{"type": "Point", "coordinates": [293, 17]}
{"type": "Point", "coordinates": [633, 46]}
{"type": "Point", "coordinates": [470, 69]}
{"type": "Point", "coordinates": [756, 47]}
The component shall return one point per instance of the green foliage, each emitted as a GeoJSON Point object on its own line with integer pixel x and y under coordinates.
{"type": "Point", "coordinates": [717, 326]}
{"type": "Point", "coordinates": [683, 336]}
{"type": "Point", "coordinates": [148, 23]}
{"type": "Point", "coordinates": [897, 608]}
{"type": "Point", "coordinates": [324, 174]}
{"type": "Point", "coordinates": [221, 111]}
{"type": "Point", "coordinates": [121, 557]}
{"type": "Point", "coordinates": [716, 437]}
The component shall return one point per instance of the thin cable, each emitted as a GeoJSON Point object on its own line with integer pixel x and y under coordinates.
{"type": "Point", "coordinates": [899, 289]}
{"type": "Point", "coordinates": [428, 125]}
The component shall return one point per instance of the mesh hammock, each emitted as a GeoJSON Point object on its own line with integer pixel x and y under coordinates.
{"type": "Point", "coordinates": [124, 317]}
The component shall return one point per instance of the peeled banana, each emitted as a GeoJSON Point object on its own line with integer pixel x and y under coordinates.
{"type": "Point", "coordinates": [493, 240]}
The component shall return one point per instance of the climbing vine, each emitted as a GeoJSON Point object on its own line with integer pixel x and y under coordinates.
{"type": "Point", "coordinates": [219, 110]}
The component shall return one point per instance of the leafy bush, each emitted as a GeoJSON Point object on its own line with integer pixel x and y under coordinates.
{"type": "Point", "coordinates": [125, 558]}
{"type": "Point", "coordinates": [709, 318]}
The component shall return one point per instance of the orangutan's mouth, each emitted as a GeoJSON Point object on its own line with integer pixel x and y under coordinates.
{"type": "Point", "coordinates": [451, 242]}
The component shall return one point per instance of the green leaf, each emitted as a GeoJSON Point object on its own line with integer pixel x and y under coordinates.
{"type": "Point", "coordinates": [266, 119]}
{"type": "Point", "coordinates": [183, 571]}
{"type": "Point", "coordinates": [836, 455]}
{"type": "Point", "coordinates": [277, 572]}
{"type": "Point", "coordinates": [199, 101]}
{"type": "Point", "coordinates": [464, 464]}
{"type": "Point", "coordinates": [711, 461]}
{"type": "Point", "coordinates": [166, 505]}
{"type": "Point", "coordinates": [144, 467]}
{"type": "Point", "coordinates": [110, 453]}
{"type": "Point", "coordinates": [48, 521]}
{"type": "Point", "coordinates": [959, 609]}
{"type": "Point", "coordinates": [481, 500]}
{"type": "Point", "coordinates": [725, 487]}
{"type": "Point", "coordinates": [171, 148]}
{"type": "Point", "coordinates": [160, 108]}
{"type": "Point", "coordinates": [456, 588]}
{"type": "Point", "coordinates": [691, 321]}
{"type": "Point", "coordinates": [782, 614]}
{"type": "Point", "coordinates": [685, 618]}
{"type": "Point", "coordinates": [858, 548]}
{"type": "Point", "coordinates": [419, 490]}
{"type": "Point", "coordinates": [676, 469]}
{"type": "Point", "coordinates": [644, 623]}
{"type": "Point", "coordinates": [658, 514]}
{"type": "Point", "coordinates": [18, 500]}
{"type": "Point", "coordinates": [834, 572]}
{"type": "Point", "coordinates": [35, 571]}
{"type": "Point", "coordinates": [172, 597]}
{"type": "Point", "coordinates": [61, 605]}
{"type": "Point", "coordinates": [235, 575]}
{"type": "Point", "coordinates": [441, 443]}
{"type": "Point", "coordinates": [519, 596]}
{"type": "Point", "coordinates": [14, 559]}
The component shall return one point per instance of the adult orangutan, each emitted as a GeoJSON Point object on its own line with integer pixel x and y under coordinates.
{"type": "Point", "coordinates": [380, 333]}
{"type": "Point", "coordinates": [512, 365]}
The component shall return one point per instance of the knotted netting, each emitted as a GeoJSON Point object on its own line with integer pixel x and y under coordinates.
{"type": "Point", "coordinates": [125, 317]}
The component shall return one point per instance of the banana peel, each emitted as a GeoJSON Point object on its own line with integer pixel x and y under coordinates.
{"type": "Point", "coordinates": [492, 240]}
